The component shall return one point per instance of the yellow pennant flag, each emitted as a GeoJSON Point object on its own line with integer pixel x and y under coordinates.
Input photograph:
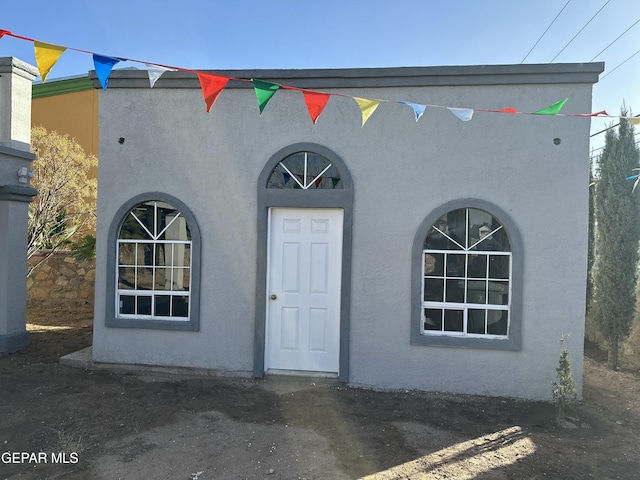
{"type": "Point", "coordinates": [367, 107]}
{"type": "Point", "coordinates": [46, 57]}
{"type": "Point", "coordinates": [633, 120]}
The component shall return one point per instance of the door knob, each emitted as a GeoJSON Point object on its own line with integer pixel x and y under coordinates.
{"type": "Point", "coordinates": [274, 296]}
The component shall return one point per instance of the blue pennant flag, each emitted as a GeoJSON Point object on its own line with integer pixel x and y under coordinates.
{"type": "Point", "coordinates": [103, 66]}
{"type": "Point", "coordinates": [417, 108]}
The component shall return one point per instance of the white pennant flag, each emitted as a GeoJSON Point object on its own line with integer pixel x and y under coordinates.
{"type": "Point", "coordinates": [156, 71]}
{"type": "Point", "coordinates": [464, 114]}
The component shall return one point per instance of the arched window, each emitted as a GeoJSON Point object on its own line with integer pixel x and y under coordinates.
{"type": "Point", "coordinates": [466, 275]}
{"type": "Point", "coordinates": [156, 267]}
{"type": "Point", "coordinates": [305, 170]}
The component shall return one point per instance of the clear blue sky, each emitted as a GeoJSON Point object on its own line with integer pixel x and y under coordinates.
{"type": "Point", "coordinates": [213, 34]}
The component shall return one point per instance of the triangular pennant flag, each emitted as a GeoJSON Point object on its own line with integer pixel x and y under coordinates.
{"type": "Point", "coordinates": [156, 71]}
{"type": "Point", "coordinates": [211, 86]}
{"type": "Point", "coordinates": [335, 181]}
{"type": "Point", "coordinates": [464, 114]}
{"type": "Point", "coordinates": [46, 57]}
{"type": "Point", "coordinates": [264, 92]}
{"type": "Point", "coordinates": [601, 112]}
{"type": "Point", "coordinates": [286, 177]}
{"type": "Point", "coordinates": [367, 107]}
{"type": "Point", "coordinates": [633, 120]}
{"type": "Point", "coordinates": [552, 109]}
{"type": "Point", "coordinates": [502, 110]}
{"type": "Point", "coordinates": [317, 182]}
{"type": "Point", "coordinates": [4, 32]}
{"type": "Point", "coordinates": [316, 102]}
{"type": "Point", "coordinates": [417, 108]}
{"type": "Point", "coordinates": [103, 66]}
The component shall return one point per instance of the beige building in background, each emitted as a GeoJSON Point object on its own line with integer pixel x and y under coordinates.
{"type": "Point", "coordinates": [68, 106]}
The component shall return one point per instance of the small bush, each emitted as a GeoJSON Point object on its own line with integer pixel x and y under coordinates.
{"type": "Point", "coordinates": [564, 390]}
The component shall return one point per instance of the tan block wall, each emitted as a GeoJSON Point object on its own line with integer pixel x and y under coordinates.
{"type": "Point", "coordinates": [61, 278]}
{"type": "Point", "coordinates": [73, 113]}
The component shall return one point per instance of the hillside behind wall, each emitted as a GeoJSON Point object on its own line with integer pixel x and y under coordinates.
{"type": "Point", "coordinates": [61, 278]}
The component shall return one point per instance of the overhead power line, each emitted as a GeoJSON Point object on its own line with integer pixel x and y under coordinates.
{"type": "Point", "coordinates": [619, 36]}
{"type": "Point", "coordinates": [545, 32]}
{"type": "Point", "coordinates": [619, 65]}
{"type": "Point", "coordinates": [580, 31]}
{"type": "Point", "coordinates": [610, 127]}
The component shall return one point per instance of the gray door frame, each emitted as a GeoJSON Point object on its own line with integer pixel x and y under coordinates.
{"type": "Point", "coordinates": [298, 198]}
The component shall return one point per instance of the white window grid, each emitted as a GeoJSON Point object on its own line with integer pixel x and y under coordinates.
{"type": "Point", "coordinates": [305, 184]}
{"type": "Point", "coordinates": [153, 292]}
{"type": "Point", "coordinates": [466, 305]}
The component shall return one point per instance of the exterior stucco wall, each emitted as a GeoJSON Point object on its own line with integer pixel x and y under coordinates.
{"type": "Point", "coordinates": [401, 171]}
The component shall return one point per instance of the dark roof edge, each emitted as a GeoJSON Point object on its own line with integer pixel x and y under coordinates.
{"type": "Point", "coordinates": [374, 77]}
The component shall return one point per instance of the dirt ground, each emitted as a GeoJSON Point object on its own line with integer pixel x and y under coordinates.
{"type": "Point", "coordinates": [63, 423]}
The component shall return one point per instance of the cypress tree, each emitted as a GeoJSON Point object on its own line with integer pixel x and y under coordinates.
{"type": "Point", "coordinates": [617, 237]}
{"type": "Point", "coordinates": [591, 254]}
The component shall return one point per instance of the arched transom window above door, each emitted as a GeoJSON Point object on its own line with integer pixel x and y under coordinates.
{"type": "Point", "coordinates": [305, 171]}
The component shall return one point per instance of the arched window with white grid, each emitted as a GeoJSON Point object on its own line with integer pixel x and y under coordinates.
{"type": "Point", "coordinates": [155, 259]}
{"type": "Point", "coordinates": [469, 276]}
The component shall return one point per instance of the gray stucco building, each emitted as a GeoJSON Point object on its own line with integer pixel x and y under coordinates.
{"type": "Point", "coordinates": [437, 255]}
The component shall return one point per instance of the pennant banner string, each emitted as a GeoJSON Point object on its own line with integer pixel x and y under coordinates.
{"type": "Point", "coordinates": [417, 109]}
{"type": "Point", "coordinates": [48, 54]}
{"type": "Point", "coordinates": [46, 57]}
{"type": "Point", "coordinates": [155, 72]}
{"type": "Point", "coordinates": [367, 107]}
{"type": "Point", "coordinates": [264, 92]}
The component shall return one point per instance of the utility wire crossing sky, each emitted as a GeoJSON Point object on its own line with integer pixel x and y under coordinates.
{"type": "Point", "coordinates": [216, 35]}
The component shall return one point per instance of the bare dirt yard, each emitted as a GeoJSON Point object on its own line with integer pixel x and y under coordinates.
{"type": "Point", "coordinates": [63, 423]}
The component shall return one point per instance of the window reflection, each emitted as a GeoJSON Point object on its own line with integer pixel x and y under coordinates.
{"type": "Point", "coordinates": [467, 275]}
{"type": "Point", "coordinates": [154, 263]}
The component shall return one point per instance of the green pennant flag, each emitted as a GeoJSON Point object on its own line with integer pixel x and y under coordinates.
{"type": "Point", "coordinates": [264, 92]}
{"type": "Point", "coordinates": [552, 109]}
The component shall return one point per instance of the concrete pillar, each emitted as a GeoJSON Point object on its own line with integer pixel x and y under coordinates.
{"type": "Point", "coordinates": [16, 78]}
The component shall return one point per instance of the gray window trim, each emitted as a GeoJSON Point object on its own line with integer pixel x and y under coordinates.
{"type": "Point", "coordinates": [111, 320]}
{"type": "Point", "coordinates": [298, 198]}
{"type": "Point", "coordinates": [514, 342]}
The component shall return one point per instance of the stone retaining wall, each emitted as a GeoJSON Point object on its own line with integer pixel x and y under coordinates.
{"type": "Point", "coordinates": [61, 277]}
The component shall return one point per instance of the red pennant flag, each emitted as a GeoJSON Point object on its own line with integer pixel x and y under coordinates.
{"type": "Point", "coordinates": [4, 32]}
{"type": "Point", "coordinates": [502, 110]}
{"type": "Point", "coordinates": [211, 86]}
{"type": "Point", "coordinates": [316, 102]}
{"type": "Point", "coordinates": [601, 112]}
{"type": "Point", "coordinates": [318, 181]}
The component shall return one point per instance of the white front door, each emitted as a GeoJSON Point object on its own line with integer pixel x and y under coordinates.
{"type": "Point", "coordinates": [303, 290]}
